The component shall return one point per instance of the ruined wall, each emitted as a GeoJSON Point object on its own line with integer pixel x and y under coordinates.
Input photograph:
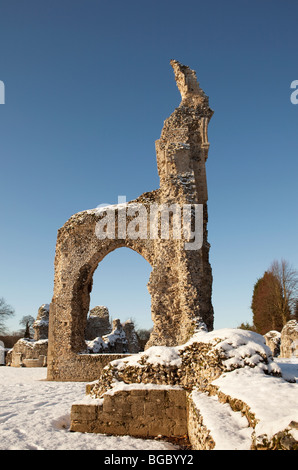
{"type": "Point", "coordinates": [122, 339]}
{"type": "Point", "coordinates": [41, 324]}
{"type": "Point", "coordinates": [272, 339]}
{"type": "Point", "coordinates": [32, 352]}
{"type": "Point", "coordinates": [28, 353]}
{"type": "Point", "coordinates": [98, 322]}
{"type": "Point", "coordinates": [181, 281]}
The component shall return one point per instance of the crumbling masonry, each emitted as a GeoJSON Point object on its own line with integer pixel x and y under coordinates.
{"type": "Point", "coordinates": [181, 280]}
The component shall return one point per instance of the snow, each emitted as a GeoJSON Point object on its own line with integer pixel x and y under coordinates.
{"type": "Point", "coordinates": [32, 342]}
{"type": "Point", "coordinates": [240, 348]}
{"type": "Point", "coordinates": [121, 386]}
{"type": "Point", "coordinates": [35, 414]}
{"type": "Point", "coordinates": [289, 367]}
{"type": "Point", "coordinates": [273, 400]}
{"type": "Point", "coordinates": [162, 355]}
{"type": "Point", "coordinates": [167, 356]}
{"type": "Point", "coordinates": [96, 345]}
{"type": "Point", "coordinates": [114, 336]}
{"type": "Point", "coordinates": [228, 428]}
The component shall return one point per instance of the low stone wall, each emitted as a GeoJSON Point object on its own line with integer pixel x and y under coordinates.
{"type": "Point", "coordinates": [81, 367]}
{"type": "Point", "coordinates": [133, 411]}
{"type": "Point", "coordinates": [41, 361]}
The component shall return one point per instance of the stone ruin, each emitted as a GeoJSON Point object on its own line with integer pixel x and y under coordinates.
{"type": "Point", "coordinates": [122, 339]}
{"type": "Point", "coordinates": [98, 323]}
{"type": "Point", "coordinates": [29, 352]}
{"type": "Point", "coordinates": [100, 336]}
{"type": "Point", "coordinates": [41, 324]}
{"type": "Point", "coordinates": [289, 339]}
{"type": "Point", "coordinates": [190, 390]}
{"type": "Point", "coordinates": [181, 384]}
{"type": "Point", "coordinates": [284, 344]}
{"type": "Point", "coordinates": [180, 283]}
{"type": "Point", "coordinates": [273, 339]}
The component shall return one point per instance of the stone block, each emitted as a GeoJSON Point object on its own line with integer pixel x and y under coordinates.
{"type": "Point", "coordinates": [150, 408]}
{"type": "Point", "coordinates": [84, 412]}
{"type": "Point", "coordinates": [137, 407]}
{"type": "Point", "coordinates": [109, 404]}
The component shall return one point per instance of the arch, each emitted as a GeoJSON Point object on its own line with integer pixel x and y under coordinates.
{"type": "Point", "coordinates": [78, 253]}
{"type": "Point", "coordinates": [81, 292]}
{"type": "Point", "coordinates": [120, 283]}
{"type": "Point", "coordinates": [174, 285]}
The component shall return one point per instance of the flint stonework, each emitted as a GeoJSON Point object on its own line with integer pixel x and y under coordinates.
{"type": "Point", "coordinates": [180, 283]}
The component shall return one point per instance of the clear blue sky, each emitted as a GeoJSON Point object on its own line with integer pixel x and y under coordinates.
{"type": "Point", "coordinates": [88, 85]}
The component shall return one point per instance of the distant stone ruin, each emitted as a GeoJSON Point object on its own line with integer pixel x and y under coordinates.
{"type": "Point", "coordinates": [133, 345]}
{"type": "Point", "coordinates": [32, 352]}
{"type": "Point", "coordinates": [284, 343]}
{"type": "Point", "coordinates": [41, 324]}
{"type": "Point", "coordinates": [100, 337]}
{"type": "Point", "coordinates": [2, 353]}
{"type": "Point", "coordinates": [289, 339]}
{"type": "Point", "coordinates": [122, 339]}
{"type": "Point", "coordinates": [98, 323]}
{"type": "Point", "coordinates": [181, 280]}
{"type": "Point", "coordinates": [273, 339]}
{"type": "Point", "coordinates": [28, 353]}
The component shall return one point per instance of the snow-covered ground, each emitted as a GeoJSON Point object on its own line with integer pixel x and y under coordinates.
{"type": "Point", "coordinates": [35, 413]}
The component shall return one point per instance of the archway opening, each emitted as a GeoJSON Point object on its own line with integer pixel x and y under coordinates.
{"type": "Point", "coordinates": [120, 284]}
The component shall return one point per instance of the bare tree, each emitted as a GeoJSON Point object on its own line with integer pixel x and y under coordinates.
{"type": "Point", "coordinates": [27, 321]}
{"type": "Point", "coordinates": [5, 312]}
{"type": "Point", "coordinates": [285, 293]}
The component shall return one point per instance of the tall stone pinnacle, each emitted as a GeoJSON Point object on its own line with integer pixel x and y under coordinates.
{"type": "Point", "coordinates": [186, 79]}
